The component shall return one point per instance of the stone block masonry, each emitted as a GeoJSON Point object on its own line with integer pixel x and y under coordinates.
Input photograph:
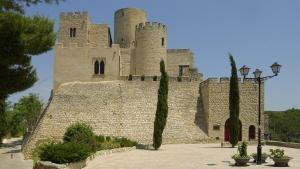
{"type": "Point", "coordinates": [120, 108]}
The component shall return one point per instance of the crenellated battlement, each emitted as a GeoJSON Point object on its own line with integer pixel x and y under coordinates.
{"type": "Point", "coordinates": [69, 15]}
{"type": "Point", "coordinates": [150, 25]}
{"type": "Point", "coordinates": [223, 80]}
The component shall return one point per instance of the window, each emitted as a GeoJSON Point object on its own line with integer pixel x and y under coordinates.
{"type": "Point", "coordinates": [72, 32]}
{"type": "Point", "coordinates": [216, 126]}
{"type": "Point", "coordinates": [99, 67]}
{"type": "Point", "coordinates": [123, 13]}
{"type": "Point", "coordinates": [102, 67]}
{"type": "Point", "coordinates": [96, 67]}
{"type": "Point", "coordinates": [162, 41]}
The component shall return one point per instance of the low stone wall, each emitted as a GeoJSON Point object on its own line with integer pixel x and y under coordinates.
{"type": "Point", "coordinates": [80, 164]}
{"type": "Point", "coordinates": [283, 144]}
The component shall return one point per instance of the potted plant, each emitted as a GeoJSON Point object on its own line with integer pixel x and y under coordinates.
{"type": "Point", "coordinates": [279, 158]}
{"type": "Point", "coordinates": [264, 156]}
{"type": "Point", "coordinates": [241, 159]}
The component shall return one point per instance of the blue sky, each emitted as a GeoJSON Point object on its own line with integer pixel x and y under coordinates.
{"type": "Point", "coordinates": [256, 32]}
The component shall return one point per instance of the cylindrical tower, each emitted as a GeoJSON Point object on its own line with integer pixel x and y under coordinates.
{"type": "Point", "coordinates": [125, 21]}
{"type": "Point", "coordinates": [151, 42]}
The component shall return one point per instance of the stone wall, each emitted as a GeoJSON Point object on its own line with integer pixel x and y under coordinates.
{"type": "Point", "coordinates": [98, 35]}
{"type": "Point", "coordinates": [176, 57]}
{"type": "Point", "coordinates": [151, 42]}
{"type": "Point", "coordinates": [215, 94]}
{"type": "Point", "coordinates": [125, 21]}
{"type": "Point", "coordinates": [121, 108]}
{"type": "Point", "coordinates": [75, 63]}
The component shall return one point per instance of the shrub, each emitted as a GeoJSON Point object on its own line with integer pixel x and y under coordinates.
{"type": "Point", "coordinates": [277, 153]}
{"type": "Point", "coordinates": [179, 78]}
{"type": "Point", "coordinates": [62, 153]}
{"type": "Point", "coordinates": [124, 142]}
{"type": "Point", "coordinates": [243, 149]}
{"type": "Point", "coordinates": [143, 78]}
{"type": "Point", "coordinates": [154, 78]}
{"type": "Point", "coordinates": [130, 77]}
{"type": "Point", "coordinates": [109, 145]}
{"type": "Point", "coordinates": [79, 133]}
{"type": "Point", "coordinates": [100, 138]}
{"type": "Point", "coordinates": [107, 138]}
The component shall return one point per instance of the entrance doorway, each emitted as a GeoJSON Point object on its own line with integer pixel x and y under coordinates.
{"type": "Point", "coordinates": [227, 131]}
{"type": "Point", "coordinates": [252, 132]}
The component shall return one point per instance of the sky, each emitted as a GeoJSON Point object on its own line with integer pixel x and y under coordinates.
{"type": "Point", "coordinates": [256, 32]}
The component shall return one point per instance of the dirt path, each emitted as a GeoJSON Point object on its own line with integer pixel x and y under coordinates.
{"type": "Point", "coordinates": [11, 156]}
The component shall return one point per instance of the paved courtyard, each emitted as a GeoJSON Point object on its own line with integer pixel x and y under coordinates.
{"type": "Point", "coordinates": [184, 156]}
{"type": "Point", "coordinates": [11, 156]}
{"type": "Point", "coordinates": [181, 156]}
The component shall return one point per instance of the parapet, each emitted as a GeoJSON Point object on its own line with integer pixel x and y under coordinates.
{"type": "Point", "coordinates": [223, 80]}
{"type": "Point", "coordinates": [178, 51]}
{"type": "Point", "coordinates": [150, 25]}
{"type": "Point", "coordinates": [74, 14]}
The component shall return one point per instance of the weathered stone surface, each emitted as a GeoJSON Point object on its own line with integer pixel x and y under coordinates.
{"type": "Point", "coordinates": [121, 108]}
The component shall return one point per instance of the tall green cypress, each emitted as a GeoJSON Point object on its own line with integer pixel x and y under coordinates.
{"type": "Point", "coordinates": [162, 107]}
{"type": "Point", "coordinates": [234, 104]}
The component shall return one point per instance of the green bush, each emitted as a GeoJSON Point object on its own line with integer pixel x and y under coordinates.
{"type": "Point", "coordinates": [100, 138]}
{"type": "Point", "coordinates": [109, 145]}
{"type": "Point", "coordinates": [243, 149]}
{"type": "Point", "coordinates": [130, 77]}
{"type": "Point", "coordinates": [179, 78]}
{"type": "Point", "coordinates": [107, 138]}
{"type": "Point", "coordinates": [79, 133]}
{"type": "Point", "coordinates": [143, 78]}
{"type": "Point", "coordinates": [62, 153]}
{"type": "Point", "coordinates": [124, 142]}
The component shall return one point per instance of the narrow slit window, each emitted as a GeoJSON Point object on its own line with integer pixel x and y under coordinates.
{"type": "Point", "coordinates": [72, 32]}
{"type": "Point", "coordinates": [96, 68]}
{"type": "Point", "coordinates": [162, 41]}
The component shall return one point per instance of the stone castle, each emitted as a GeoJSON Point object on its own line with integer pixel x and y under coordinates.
{"type": "Point", "coordinates": [92, 85]}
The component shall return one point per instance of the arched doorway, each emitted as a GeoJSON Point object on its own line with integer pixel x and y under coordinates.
{"type": "Point", "coordinates": [252, 132]}
{"type": "Point", "coordinates": [227, 131]}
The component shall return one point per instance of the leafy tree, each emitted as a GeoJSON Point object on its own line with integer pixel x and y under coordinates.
{"type": "Point", "coordinates": [17, 5]}
{"type": "Point", "coordinates": [25, 114]}
{"type": "Point", "coordinates": [285, 126]}
{"type": "Point", "coordinates": [20, 38]}
{"type": "Point", "coordinates": [162, 107]}
{"type": "Point", "coordinates": [234, 104]}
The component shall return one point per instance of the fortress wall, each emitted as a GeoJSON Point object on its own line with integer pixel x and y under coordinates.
{"type": "Point", "coordinates": [80, 21]}
{"type": "Point", "coordinates": [75, 63]}
{"type": "Point", "coordinates": [176, 57]}
{"type": "Point", "coordinates": [120, 108]}
{"type": "Point", "coordinates": [98, 35]}
{"type": "Point", "coordinates": [126, 64]}
{"type": "Point", "coordinates": [151, 42]}
{"type": "Point", "coordinates": [125, 21]}
{"type": "Point", "coordinates": [218, 105]}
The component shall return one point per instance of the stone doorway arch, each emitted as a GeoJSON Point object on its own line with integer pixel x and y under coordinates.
{"type": "Point", "coordinates": [251, 132]}
{"type": "Point", "coordinates": [227, 131]}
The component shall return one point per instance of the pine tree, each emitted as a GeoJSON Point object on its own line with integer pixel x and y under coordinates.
{"type": "Point", "coordinates": [234, 104]}
{"type": "Point", "coordinates": [21, 37]}
{"type": "Point", "coordinates": [162, 107]}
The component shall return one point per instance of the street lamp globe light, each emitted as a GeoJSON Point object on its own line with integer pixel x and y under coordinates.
{"type": "Point", "coordinates": [276, 68]}
{"type": "Point", "coordinates": [257, 73]}
{"type": "Point", "coordinates": [244, 71]}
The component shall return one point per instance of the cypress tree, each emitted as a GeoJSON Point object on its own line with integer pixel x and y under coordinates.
{"type": "Point", "coordinates": [162, 107]}
{"type": "Point", "coordinates": [234, 104]}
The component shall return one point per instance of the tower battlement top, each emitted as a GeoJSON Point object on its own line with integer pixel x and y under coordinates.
{"type": "Point", "coordinates": [150, 25]}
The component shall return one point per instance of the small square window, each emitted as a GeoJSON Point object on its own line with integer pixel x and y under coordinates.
{"type": "Point", "coordinates": [216, 126]}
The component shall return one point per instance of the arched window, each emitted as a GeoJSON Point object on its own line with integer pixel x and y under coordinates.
{"type": "Point", "coordinates": [96, 67]}
{"type": "Point", "coordinates": [251, 132]}
{"type": "Point", "coordinates": [162, 41]}
{"type": "Point", "coordinates": [102, 66]}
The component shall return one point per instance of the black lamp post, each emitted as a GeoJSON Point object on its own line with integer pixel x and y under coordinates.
{"type": "Point", "coordinates": [257, 76]}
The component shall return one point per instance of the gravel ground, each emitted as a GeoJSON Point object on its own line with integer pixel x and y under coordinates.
{"type": "Point", "coordinates": [11, 156]}
{"type": "Point", "coordinates": [185, 156]}
{"type": "Point", "coordinates": [173, 156]}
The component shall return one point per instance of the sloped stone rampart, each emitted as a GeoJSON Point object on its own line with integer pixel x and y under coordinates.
{"type": "Point", "coordinates": [120, 108]}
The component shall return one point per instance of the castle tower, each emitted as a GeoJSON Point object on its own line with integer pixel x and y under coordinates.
{"type": "Point", "coordinates": [150, 49]}
{"type": "Point", "coordinates": [73, 28]}
{"type": "Point", "coordinates": [125, 21]}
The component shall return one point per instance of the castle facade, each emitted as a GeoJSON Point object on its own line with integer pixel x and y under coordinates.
{"type": "Point", "coordinates": [92, 85]}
